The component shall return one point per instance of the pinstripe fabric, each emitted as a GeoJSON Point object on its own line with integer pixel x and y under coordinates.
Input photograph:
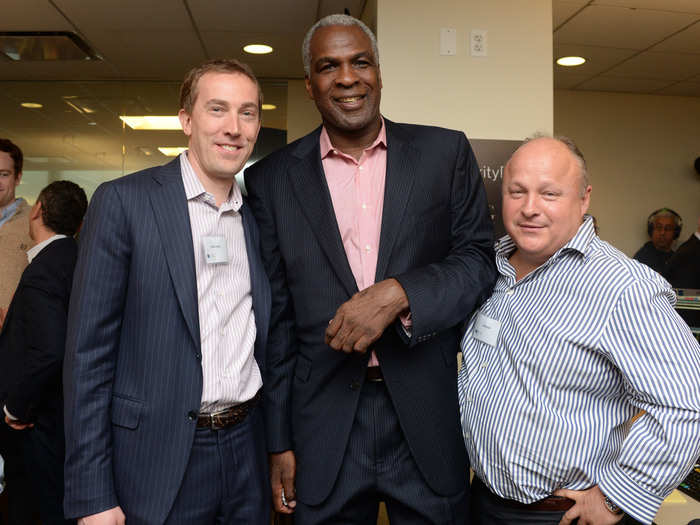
{"type": "Point", "coordinates": [132, 371]}
{"type": "Point", "coordinates": [586, 341]}
{"type": "Point", "coordinates": [224, 301]}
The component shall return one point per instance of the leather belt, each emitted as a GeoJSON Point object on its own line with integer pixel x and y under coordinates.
{"type": "Point", "coordinates": [229, 416]}
{"type": "Point", "coordinates": [374, 374]}
{"type": "Point", "coordinates": [551, 503]}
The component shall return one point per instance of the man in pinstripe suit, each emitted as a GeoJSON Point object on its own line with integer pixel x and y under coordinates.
{"type": "Point", "coordinates": [167, 330]}
{"type": "Point", "coordinates": [377, 240]}
{"type": "Point", "coordinates": [576, 340]}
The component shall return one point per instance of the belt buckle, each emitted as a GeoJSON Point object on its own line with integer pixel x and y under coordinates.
{"type": "Point", "coordinates": [215, 421]}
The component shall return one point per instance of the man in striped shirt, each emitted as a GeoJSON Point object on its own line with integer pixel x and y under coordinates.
{"type": "Point", "coordinates": [575, 341]}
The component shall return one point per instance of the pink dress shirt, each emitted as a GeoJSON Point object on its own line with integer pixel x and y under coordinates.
{"type": "Point", "coordinates": [357, 193]}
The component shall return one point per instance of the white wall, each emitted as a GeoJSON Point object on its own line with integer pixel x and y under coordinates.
{"type": "Point", "coordinates": [640, 151]}
{"type": "Point", "coordinates": [506, 95]}
{"type": "Point", "coordinates": [302, 115]}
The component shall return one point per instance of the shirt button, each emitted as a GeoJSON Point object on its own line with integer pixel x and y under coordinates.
{"type": "Point", "coordinates": [222, 333]}
{"type": "Point", "coordinates": [198, 356]}
{"type": "Point", "coordinates": [362, 168]}
{"type": "Point", "coordinates": [469, 399]}
{"type": "Point", "coordinates": [192, 415]}
{"type": "Point", "coordinates": [467, 435]}
{"type": "Point", "coordinates": [355, 385]}
{"type": "Point", "coordinates": [510, 291]}
{"type": "Point", "coordinates": [368, 248]}
{"type": "Point", "coordinates": [484, 364]}
{"type": "Point", "coordinates": [364, 205]}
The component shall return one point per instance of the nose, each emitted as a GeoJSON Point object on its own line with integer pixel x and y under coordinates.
{"type": "Point", "coordinates": [347, 76]}
{"type": "Point", "coordinates": [530, 207]}
{"type": "Point", "coordinates": [232, 124]}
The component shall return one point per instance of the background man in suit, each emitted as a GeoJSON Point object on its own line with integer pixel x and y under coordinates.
{"type": "Point", "coordinates": [663, 226]}
{"type": "Point", "coordinates": [14, 223]}
{"type": "Point", "coordinates": [32, 343]}
{"type": "Point", "coordinates": [167, 329]}
{"type": "Point", "coordinates": [399, 213]}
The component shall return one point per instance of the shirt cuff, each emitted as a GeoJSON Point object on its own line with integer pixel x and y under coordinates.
{"type": "Point", "coordinates": [406, 323]}
{"type": "Point", "coordinates": [628, 495]}
{"type": "Point", "coordinates": [8, 414]}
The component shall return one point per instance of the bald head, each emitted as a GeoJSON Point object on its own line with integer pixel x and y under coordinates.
{"type": "Point", "coordinates": [545, 196]}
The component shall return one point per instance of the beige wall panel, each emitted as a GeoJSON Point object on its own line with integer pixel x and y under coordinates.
{"type": "Point", "coordinates": [505, 95]}
{"type": "Point", "coordinates": [640, 151]}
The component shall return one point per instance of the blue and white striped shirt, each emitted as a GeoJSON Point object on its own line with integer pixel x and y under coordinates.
{"type": "Point", "coordinates": [586, 341]}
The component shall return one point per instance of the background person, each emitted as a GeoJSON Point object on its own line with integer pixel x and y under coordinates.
{"type": "Point", "coordinates": [32, 344]}
{"type": "Point", "coordinates": [663, 226]}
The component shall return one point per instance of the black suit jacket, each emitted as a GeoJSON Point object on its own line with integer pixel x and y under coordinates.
{"type": "Point", "coordinates": [33, 338]}
{"type": "Point", "coordinates": [683, 268]}
{"type": "Point", "coordinates": [133, 370]}
{"type": "Point", "coordinates": [436, 240]}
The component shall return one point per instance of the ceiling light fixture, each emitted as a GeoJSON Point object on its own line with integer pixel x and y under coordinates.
{"type": "Point", "coordinates": [31, 105]}
{"type": "Point", "coordinates": [570, 61]}
{"type": "Point", "coordinates": [268, 107]}
{"type": "Point", "coordinates": [151, 122]}
{"type": "Point", "coordinates": [258, 49]}
{"type": "Point", "coordinates": [171, 151]}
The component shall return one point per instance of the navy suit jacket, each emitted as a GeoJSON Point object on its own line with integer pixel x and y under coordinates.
{"type": "Point", "coordinates": [33, 337]}
{"type": "Point", "coordinates": [436, 240]}
{"type": "Point", "coordinates": [133, 374]}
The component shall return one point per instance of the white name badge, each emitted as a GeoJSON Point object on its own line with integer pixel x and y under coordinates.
{"type": "Point", "coordinates": [486, 329]}
{"type": "Point", "coordinates": [215, 249]}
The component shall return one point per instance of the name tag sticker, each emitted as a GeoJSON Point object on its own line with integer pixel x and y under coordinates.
{"type": "Point", "coordinates": [215, 249]}
{"type": "Point", "coordinates": [486, 329]}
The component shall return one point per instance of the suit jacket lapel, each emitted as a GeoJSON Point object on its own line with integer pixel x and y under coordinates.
{"type": "Point", "coordinates": [260, 287]}
{"type": "Point", "coordinates": [401, 160]}
{"type": "Point", "coordinates": [311, 190]}
{"type": "Point", "coordinates": [172, 217]}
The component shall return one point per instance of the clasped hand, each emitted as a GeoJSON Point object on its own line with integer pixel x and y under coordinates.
{"type": "Point", "coordinates": [362, 319]}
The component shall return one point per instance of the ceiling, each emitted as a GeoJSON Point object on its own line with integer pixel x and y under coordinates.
{"type": "Point", "coordinates": [638, 46]}
{"type": "Point", "coordinates": [633, 46]}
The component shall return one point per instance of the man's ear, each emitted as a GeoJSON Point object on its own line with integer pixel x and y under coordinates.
{"type": "Point", "coordinates": [35, 212]}
{"type": "Point", "coordinates": [307, 83]}
{"type": "Point", "coordinates": [185, 121]}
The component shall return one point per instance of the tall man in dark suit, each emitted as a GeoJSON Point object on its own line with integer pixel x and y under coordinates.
{"type": "Point", "coordinates": [377, 241]}
{"type": "Point", "coordinates": [32, 342]}
{"type": "Point", "coordinates": [167, 330]}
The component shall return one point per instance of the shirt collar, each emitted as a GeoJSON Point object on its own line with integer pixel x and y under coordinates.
{"type": "Point", "coordinates": [327, 147]}
{"type": "Point", "coordinates": [697, 234]}
{"type": "Point", "coordinates": [8, 211]}
{"type": "Point", "coordinates": [34, 250]}
{"type": "Point", "coordinates": [194, 187]}
{"type": "Point", "coordinates": [581, 242]}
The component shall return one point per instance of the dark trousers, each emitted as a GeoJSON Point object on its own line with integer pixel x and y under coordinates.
{"type": "Point", "coordinates": [21, 508]}
{"type": "Point", "coordinates": [486, 509]}
{"type": "Point", "coordinates": [227, 479]}
{"type": "Point", "coordinates": [378, 466]}
{"type": "Point", "coordinates": [44, 453]}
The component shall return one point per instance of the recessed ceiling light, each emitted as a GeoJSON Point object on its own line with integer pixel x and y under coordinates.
{"type": "Point", "coordinates": [91, 123]}
{"type": "Point", "coordinates": [171, 151]}
{"type": "Point", "coordinates": [258, 49]}
{"type": "Point", "coordinates": [268, 107]}
{"type": "Point", "coordinates": [151, 122]}
{"type": "Point", "coordinates": [570, 61]}
{"type": "Point", "coordinates": [31, 105]}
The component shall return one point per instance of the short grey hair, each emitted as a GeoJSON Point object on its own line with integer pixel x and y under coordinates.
{"type": "Point", "coordinates": [573, 149]}
{"type": "Point", "coordinates": [335, 20]}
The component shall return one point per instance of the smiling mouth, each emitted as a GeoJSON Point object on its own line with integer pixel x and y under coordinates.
{"type": "Point", "coordinates": [227, 147]}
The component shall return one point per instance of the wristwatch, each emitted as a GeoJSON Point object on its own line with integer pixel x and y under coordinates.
{"type": "Point", "coordinates": [611, 506]}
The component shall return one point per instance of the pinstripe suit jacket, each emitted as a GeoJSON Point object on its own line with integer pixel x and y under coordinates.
{"type": "Point", "coordinates": [436, 240]}
{"type": "Point", "coordinates": [132, 373]}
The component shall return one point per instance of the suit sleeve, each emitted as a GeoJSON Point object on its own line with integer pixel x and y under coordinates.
{"type": "Point", "coordinates": [94, 321]}
{"type": "Point", "coordinates": [282, 344]}
{"type": "Point", "coordinates": [43, 324]}
{"type": "Point", "coordinates": [444, 293]}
